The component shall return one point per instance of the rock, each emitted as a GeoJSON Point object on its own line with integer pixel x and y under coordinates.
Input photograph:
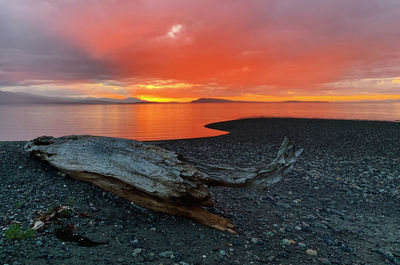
{"type": "Point", "coordinates": [136, 252]}
{"type": "Point", "coordinates": [255, 258]}
{"type": "Point", "coordinates": [167, 254]}
{"type": "Point", "coordinates": [284, 205]}
{"type": "Point", "coordinates": [389, 256]}
{"type": "Point", "coordinates": [135, 242]}
{"type": "Point", "coordinates": [285, 242]}
{"type": "Point", "coordinates": [255, 240]}
{"type": "Point", "coordinates": [151, 256]}
{"type": "Point", "coordinates": [307, 228]}
{"type": "Point", "coordinates": [320, 225]}
{"type": "Point", "coordinates": [324, 261]}
{"type": "Point", "coordinates": [236, 242]}
{"type": "Point", "coordinates": [270, 233]}
{"type": "Point", "coordinates": [346, 248]}
{"type": "Point", "coordinates": [328, 239]}
{"type": "Point", "coordinates": [310, 217]}
{"type": "Point", "coordinates": [311, 252]}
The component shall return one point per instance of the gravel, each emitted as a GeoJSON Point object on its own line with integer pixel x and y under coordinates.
{"type": "Point", "coordinates": [339, 204]}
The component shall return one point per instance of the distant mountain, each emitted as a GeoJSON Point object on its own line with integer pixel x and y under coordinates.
{"type": "Point", "coordinates": [213, 100]}
{"type": "Point", "coordinates": [13, 98]}
{"type": "Point", "coordinates": [299, 101]}
{"type": "Point", "coordinates": [217, 100]}
{"type": "Point", "coordinates": [129, 100]}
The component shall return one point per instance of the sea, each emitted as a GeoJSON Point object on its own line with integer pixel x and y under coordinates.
{"type": "Point", "coordinates": [168, 121]}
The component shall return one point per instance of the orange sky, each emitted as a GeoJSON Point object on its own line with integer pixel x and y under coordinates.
{"type": "Point", "coordinates": [183, 50]}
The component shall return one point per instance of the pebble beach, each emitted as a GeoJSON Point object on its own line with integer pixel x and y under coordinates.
{"type": "Point", "coordinates": [340, 204]}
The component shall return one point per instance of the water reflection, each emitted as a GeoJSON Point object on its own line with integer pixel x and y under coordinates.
{"type": "Point", "coordinates": [166, 121]}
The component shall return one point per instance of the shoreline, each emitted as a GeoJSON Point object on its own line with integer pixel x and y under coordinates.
{"type": "Point", "coordinates": [226, 131]}
{"type": "Point", "coordinates": [341, 199]}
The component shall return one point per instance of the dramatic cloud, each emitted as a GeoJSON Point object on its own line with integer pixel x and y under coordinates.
{"type": "Point", "coordinates": [187, 49]}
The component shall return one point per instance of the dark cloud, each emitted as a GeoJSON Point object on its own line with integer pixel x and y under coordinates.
{"type": "Point", "coordinates": [29, 52]}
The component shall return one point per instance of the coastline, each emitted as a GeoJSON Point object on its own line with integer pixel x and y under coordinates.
{"type": "Point", "coordinates": [342, 199]}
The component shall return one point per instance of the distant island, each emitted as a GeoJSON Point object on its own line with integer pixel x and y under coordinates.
{"type": "Point", "coordinates": [218, 100]}
{"type": "Point", "coordinates": [214, 100]}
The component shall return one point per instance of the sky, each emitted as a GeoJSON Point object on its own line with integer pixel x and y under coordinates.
{"type": "Point", "coordinates": [180, 50]}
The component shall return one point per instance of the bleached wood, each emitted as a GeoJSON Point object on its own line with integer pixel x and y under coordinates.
{"type": "Point", "coordinates": [154, 177]}
{"type": "Point", "coordinates": [258, 177]}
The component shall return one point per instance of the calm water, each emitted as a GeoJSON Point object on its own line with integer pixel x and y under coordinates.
{"type": "Point", "coordinates": [166, 121]}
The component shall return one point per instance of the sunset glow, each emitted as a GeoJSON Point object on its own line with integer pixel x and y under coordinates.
{"type": "Point", "coordinates": [178, 50]}
{"type": "Point", "coordinates": [160, 99]}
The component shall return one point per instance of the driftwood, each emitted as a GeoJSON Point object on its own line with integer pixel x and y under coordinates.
{"type": "Point", "coordinates": [153, 177]}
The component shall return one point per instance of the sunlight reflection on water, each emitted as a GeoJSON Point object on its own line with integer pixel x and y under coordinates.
{"type": "Point", "coordinates": [167, 121]}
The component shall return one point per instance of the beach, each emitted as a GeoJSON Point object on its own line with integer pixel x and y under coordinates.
{"type": "Point", "coordinates": [340, 204]}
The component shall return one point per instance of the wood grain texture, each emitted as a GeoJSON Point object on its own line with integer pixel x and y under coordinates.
{"type": "Point", "coordinates": [153, 177]}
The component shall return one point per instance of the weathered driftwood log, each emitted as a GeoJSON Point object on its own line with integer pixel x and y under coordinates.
{"type": "Point", "coordinates": [153, 177]}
